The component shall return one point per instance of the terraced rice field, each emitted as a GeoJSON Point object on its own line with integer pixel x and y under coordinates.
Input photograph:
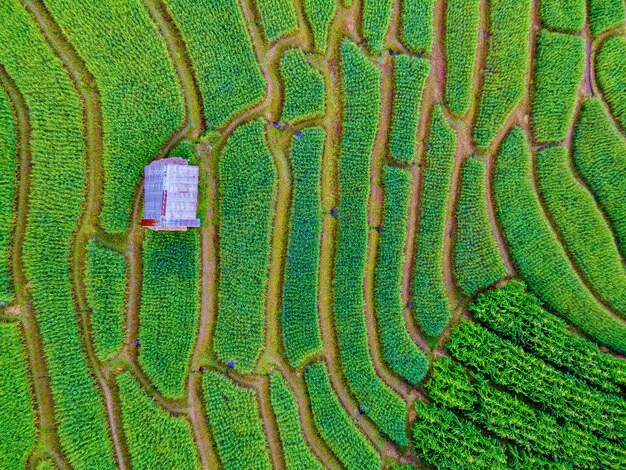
{"type": "Point", "coordinates": [412, 242]}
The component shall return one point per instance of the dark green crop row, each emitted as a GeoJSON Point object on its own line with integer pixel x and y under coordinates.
{"type": "Point", "coordinates": [605, 14]}
{"type": "Point", "coordinates": [401, 353]}
{"type": "Point", "coordinates": [236, 424]}
{"type": "Point", "coordinates": [611, 74]}
{"type": "Point", "coordinates": [320, 14]}
{"type": "Point", "coordinates": [376, 18]}
{"type": "Point", "coordinates": [508, 59]}
{"type": "Point", "coordinates": [559, 65]}
{"type": "Point", "coordinates": [432, 307]}
{"type": "Point", "coordinates": [216, 37]}
{"type": "Point", "coordinates": [510, 418]}
{"type": "Point", "coordinates": [361, 88]}
{"type": "Point", "coordinates": [582, 227]}
{"type": "Point", "coordinates": [17, 433]}
{"type": "Point", "coordinates": [300, 322]}
{"type": "Point", "coordinates": [8, 184]}
{"type": "Point", "coordinates": [598, 152]}
{"type": "Point", "coordinates": [295, 447]}
{"type": "Point", "coordinates": [155, 438]}
{"type": "Point", "coordinates": [561, 394]}
{"type": "Point", "coordinates": [278, 17]}
{"type": "Point", "coordinates": [477, 262]}
{"type": "Point", "coordinates": [303, 85]}
{"type": "Point", "coordinates": [105, 280]}
{"type": "Point", "coordinates": [410, 77]}
{"type": "Point", "coordinates": [335, 424]}
{"type": "Point", "coordinates": [417, 25]}
{"type": "Point", "coordinates": [247, 188]}
{"type": "Point", "coordinates": [518, 316]}
{"type": "Point", "coordinates": [461, 37]}
{"type": "Point", "coordinates": [537, 254]}
{"type": "Point", "coordinates": [563, 15]}
{"type": "Point", "coordinates": [55, 203]}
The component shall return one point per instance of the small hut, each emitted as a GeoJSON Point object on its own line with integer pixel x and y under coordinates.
{"type": "Point", "coordinates": [170, 195]}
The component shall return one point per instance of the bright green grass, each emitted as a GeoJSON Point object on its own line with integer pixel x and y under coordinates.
{"type": "Point", "coordinates": [278, 17]}
{"type": "Point", "coordinates": [320, 14]}
{"type": "Point", "coordinates": [303, 85]}
{"type": "Point", "coordinates": [8, 183]}
{"type": "Point", "coordinates": [611, 75]}
{"type": "Point", "coordinates": [376, 18]}
{"type": "Point", "coordinates": [417, 25]}
{"type": "Point", "coordinates": [605, 14]}
{"type": "Point", "coordinates": [563, 15]}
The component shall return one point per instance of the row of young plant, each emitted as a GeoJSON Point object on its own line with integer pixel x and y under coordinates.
{"type": "Point", "coordinates": [217, 40]}
{"type": "Point", "coordinates": [304, 93]}
{"type": "Point", "coordinates": [583, 229]}
{"type": "Point", "coordinates": [236, 425]}
{"type": "Point", "coordinates": [55, 203]}
{"type": "Point", "coordinates": [564, 15]}
{"type": "Point", "coordinates": [598, 154]}
{"type": "Point", "coordinates": [519, 317]}
{"type": "Point", "coordinates": [247, 187]}
{"type": "Point", "coordinates": [320, 14]}
{"type": "Point", "coordinates": [376, 19]}
{"type": "Point", "coordinates": [400, 352]}
{"type": "Point", "coordinates": [432, 307]}
{"type": "Point", "coordinates": [537, 254]}
{"type": "Point", "coordinates": [278, 17]}
{"type": "Point", "coordinates": [410, 74]}
{"type": "Point", "coordinates": [510, 418]}
{"type": "Point", "coordinates": [361, 88]}
{"type": "Point", "coordinates": [477, 261]}
{"type": "Point", "coordinates": [296, 450]}
{"type": "Point", "coordinates": [561, 394]}
{"type": "Point", "coordinates": [105, 280]}
{"type": "Point", "coordinates": [416, 30]}
{"type": "Point", "coordinates": [461, 41]}
{"type": "Point", "coordinates": [605, 14]}
{"type": "Point", "coordinates": [155, 439]}
{"type": "Point", "coordinates": [17, 434]}
{"type": "Point", "coordinates": [508, 59]}
{"type": "Point", "coordinates": [8, 185]}
{"type": "Point", "coordinates": [122, 47]}
{"type": "Point", "coordinates": [559, 65]}
{"type": "Point", "coordinates": [611, 73]}
{"type": "Point", "coordinates": [168, 315]}
{"type": "Point", "coordinates": [300, 321]}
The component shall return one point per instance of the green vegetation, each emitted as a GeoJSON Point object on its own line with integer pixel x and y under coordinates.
{"type": "Point", "coordinates": [399, 350]}
{"type": "Point", "coordinates": [304, 87]}
{"type": "Point", "coordinates": [8, 183]}
{"type": "Point", "coordinates": [105, 279]}
{"type": "Point", "coordinates": [538, 256]}
{"type": "Point", "coordinates": [445, 441]}
{"type": "Point", "coordinates": [237, 428]}
{"type": "Point", "coordinates": [121, 46]}
{"type": "Point", "coordinates": [361, 101]}
{"type": "Point", "coordinates": [247, 186]}
{"type": "Point", "coordinates": [285, 406]}
{"type": "Point", "coordinates": [335, 425]}
{"type": "Point", "coordinates": [300, 322]}
{"type": "Point", "coordinates": [505, 71]}
{"type": "Point", "coordinates": [17, 435]}
{"type": "Point", "coordinates": [320, 14]}
{"type": "Point", "coordinates": [559, 66]}
{"type": "Point", "coordinates": [277, 17]}
{"type": "Point", "coordinates": [477, 262]}
{"type": "Point", "coordinates": [461, 36]}
{"type": "Point", "coordinates": [376, 18]}
{"type": "Point", "coordinates": [598, 153]}
{"type": "Point", "coordinates": [169, 308]}
{"type": "Point", "coordinates": [563, 15]}
{"type": "Point", "coordinates": [605, 14]}
{"type": "Point", "coordinates": [217, 40]}
{"type": "Point", "coordinates": [410, 78]}
{"type": "Point", "coordinates": [561, 394]}
{"type": "Point", "coordinates": [55, 203]}
{"type": "Point", "coordinates": [611, 73]}
{"type": "Point", "coordinates": [432, 307]}
{"type": "Point", "coordinates": [519, 317]}
{"type": "Point", "coordinates": [583, 230]}
{"type": "Point", "coordinates": [417, 25]}
{"type": "Point", "coordinates": [155, 439]}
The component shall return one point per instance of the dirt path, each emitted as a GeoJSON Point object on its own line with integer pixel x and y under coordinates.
{"type": "Point", "coordinates": [92, 118]}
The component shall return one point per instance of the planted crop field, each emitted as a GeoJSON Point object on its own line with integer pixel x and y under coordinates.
{"type": "Point", "coordinates": [306, 234]}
